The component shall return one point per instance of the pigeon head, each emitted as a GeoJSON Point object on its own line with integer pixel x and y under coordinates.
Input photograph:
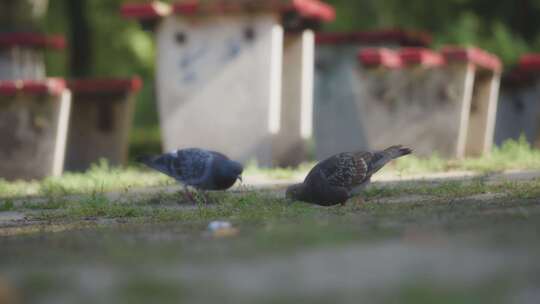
{"type": "Point", "coordinates": [296, 192]}
{"type": "Point", "coordinates": [232, 170]}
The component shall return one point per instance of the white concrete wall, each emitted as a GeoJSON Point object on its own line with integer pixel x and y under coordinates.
{"type": "Point", "coordinates": [296, 123]}
{"type": "Point", "coordinates": [480, 133]}
{"type": "Point", "coordinates": [33, 132]}
{"type": "Point", "coordinates": [338, 123]}
{"type": "Point", "coordinates": [419, 107]}
{"type": "Point", "coordinates": [218, 89]}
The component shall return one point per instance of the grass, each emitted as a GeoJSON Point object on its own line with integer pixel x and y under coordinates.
{"type": "Point", "coordinates": [149, 247]}
{"type": "Point", "coordinates": [7, 205]}
{"type": "Point", "coordinates": [512, 155]}
{"type": "Point", "coordinates": [493, 291]}
{"type": "Point", "coordinates": [101, 177]}
{"type": "Point", "coordinates": [259, 206]}
{"type": "Point", "coordinates": [252, 168]}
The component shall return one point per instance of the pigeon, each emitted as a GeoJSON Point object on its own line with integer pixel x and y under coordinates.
{"type": "Point", "coordinates": [198, 168]}
{"type": "Point", "coordinates": [336, 179]}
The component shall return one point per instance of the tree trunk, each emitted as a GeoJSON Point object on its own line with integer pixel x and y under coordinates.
{"type": "Point", "coordinates": [80, 51]}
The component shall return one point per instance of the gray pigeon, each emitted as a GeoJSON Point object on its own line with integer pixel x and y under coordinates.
{"type": "Point", "coordinates": [201, 169]}
{"type": "Point", "coordinates": [342, 176]}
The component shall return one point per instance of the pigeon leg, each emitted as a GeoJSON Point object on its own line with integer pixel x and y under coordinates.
{"type": "Point", "coordinates": [205, 196]}
{"type": "Point", "coordinates": [187, 195]}
{"type": "Point", "coordinates": [359, 201]}
{"type": "Point", "coordinates": [201, 196]}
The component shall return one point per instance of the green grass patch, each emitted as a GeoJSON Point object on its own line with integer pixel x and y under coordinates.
{"type": "Point", "coordinates": [101, 177]}
{"type": "Point", "coordinates": [492, 291]}
{"type": "Point", "coordinates": [257, 207]}
{"type": "Point", "coordinates": [6, 205]}
{"type": "Point", "coordinates": [512, 155]}
{"type": "Point", "coordinates": [98, 179]}
{"type": "Point", "coordinates": [252, 168]}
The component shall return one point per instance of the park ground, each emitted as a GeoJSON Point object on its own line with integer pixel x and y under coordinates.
{"type": "Point", "coordinates": [430, 231]}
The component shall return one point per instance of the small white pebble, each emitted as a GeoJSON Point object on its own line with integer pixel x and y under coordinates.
{"type": "Point", "coordinates": [217, 225]}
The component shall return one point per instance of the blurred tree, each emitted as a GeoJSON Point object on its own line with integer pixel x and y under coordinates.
{"type": "Point", "coordinates": [80, 52]}
{"type": "Point", "coordinates": [508, 28]}
{"type": "Point", "coordinates": [103, 44]}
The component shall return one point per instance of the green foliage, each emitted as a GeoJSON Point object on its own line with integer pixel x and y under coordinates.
{"type": "Point", "coordinates": [119, 48]}
{"type": "Point", "coordinates": [145, 141]}
{"type": "Point", "coordinates": [499, 26]}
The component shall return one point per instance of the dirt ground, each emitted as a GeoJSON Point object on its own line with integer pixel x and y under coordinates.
{"type": "Point", "coordinates": [447, 238]}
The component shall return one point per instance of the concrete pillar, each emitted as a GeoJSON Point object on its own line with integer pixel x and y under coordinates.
{"type": "Point", "coordinates": [443, 103]}
{"type": "Point", "coordinates": [290, 146]}
{"type": "Point", "coordinates": [218, 89]}
{"type": "Point", "coordinates": [379, 102]}
{"type": "Point", "coordinates": [337, 101]}
{"type": "Point", "coordinates": [433, 101]}
{"type": "Point", "coordinates": [482, 106]}
{"type": "Point", "coordinates": [101, 118]}
{"type": "Point", "coordinates": [461, 86]}
{"type": "Point", "coordinates": [229, 79]}
{"type": "Point", "coordinates": [34, 119]}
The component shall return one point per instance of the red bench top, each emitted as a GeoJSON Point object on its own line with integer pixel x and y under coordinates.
{"type": "Point", "coordinates": [34, 40]}
{"type": "Point", "coordinates": [50, 86]}
{"type": "Point", "coordinates": [430, 58]}
{"type": "Point", "coordinates": [309, 9]}
{"type": "Point", "coordinates": [144, 11]}
{"type": "Point", "coordinates": [105, 85]}
{"type": "Point", "coordinates": [421, 56]}
{"type": "Point", "coordinates": [473, 55]}
{"type": "Point", "coordinates": [530, 63]}
{"type": "Point", "coordinates": [380, 57]}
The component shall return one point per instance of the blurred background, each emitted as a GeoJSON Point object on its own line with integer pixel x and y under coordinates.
{"type": "Point", "coordinates": [457, 222]}
{"type": "Point", "coordinates": [101, 43]}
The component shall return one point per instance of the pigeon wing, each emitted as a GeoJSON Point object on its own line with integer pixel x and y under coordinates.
{"type": "Point", "coordinates": [218, 155]}
{"type": "Point", "coordinates": [346, 170]}
{"type": "Point", "coordinates": [189, 166]}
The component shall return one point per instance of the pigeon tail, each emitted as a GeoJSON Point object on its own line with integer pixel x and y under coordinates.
{"type": "Point", "coordinates": [397, 151]}
{"type": "Point", "coordinates": [381, 158]}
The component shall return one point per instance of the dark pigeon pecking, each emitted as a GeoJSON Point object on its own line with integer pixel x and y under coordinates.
{"type": "Point", "coordinates": [342, 176]}
{"type": "Point", "coordinates": [201, 169]}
